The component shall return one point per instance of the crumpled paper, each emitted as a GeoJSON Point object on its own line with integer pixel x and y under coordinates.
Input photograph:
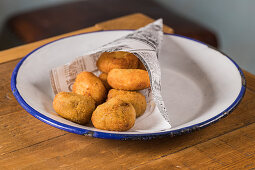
{"type": "Point", "coordinates": [145, 43]}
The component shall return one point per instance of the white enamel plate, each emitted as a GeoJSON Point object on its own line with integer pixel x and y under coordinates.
{"type": "Point", "coordinates": [200, 85]}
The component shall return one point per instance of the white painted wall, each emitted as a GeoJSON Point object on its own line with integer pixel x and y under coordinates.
{"type": "Point", "coordinates": [232, 20]}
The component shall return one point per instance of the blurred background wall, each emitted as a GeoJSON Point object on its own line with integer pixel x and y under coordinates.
{"type": "Point", "coordinates": [232, 20]}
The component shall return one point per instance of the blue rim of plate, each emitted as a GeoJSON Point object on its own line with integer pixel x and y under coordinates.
{"type": "Point", "coordinates": [119, 136]}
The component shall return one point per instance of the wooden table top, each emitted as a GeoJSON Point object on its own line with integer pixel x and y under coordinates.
{"type": "Point", "coordinates": [26, 142]}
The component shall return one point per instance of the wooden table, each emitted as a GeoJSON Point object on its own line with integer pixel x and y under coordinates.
{"type": "Point", "coordinates": [26, 142]}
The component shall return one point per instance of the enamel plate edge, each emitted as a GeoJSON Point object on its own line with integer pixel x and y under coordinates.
{"type": "Point", "coordinates": [102, 134]}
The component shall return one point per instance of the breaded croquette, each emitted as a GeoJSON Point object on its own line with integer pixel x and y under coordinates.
{"type": "Point", "coordinates": [117, 59]}
{"type": "Point", "coordinates": [114, 115]}
{"type": "Point", "coordinates": [74, 107]}
{"type": "Point", "coordinates": [103, 78]}
{"type": "Point", "coordinates": [88, 83]}
{"type": "Point", "coordinates": [135, 98]}
{"type": "Point", "coordinates": [141, 66]}
{"type": "Point", "coordinates": [128, 79]}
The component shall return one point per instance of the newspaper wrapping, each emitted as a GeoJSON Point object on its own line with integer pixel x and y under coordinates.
{"type": "Point", "coordinates": [144, 43]}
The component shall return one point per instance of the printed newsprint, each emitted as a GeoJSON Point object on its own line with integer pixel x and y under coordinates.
{"type": "Point", "coordinates": [144, 43]}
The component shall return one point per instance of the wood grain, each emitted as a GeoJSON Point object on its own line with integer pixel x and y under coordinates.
{"type": "Point", "coordinates": [79, 151]}
{"type": "Point", "coordinates": [8, 104]}
{"type": "Point", "coordinates": [234, 150]}
{"type": "Point", "coordinates": [28, 143]}
{"type": "Point", "coordinates": [20, 130]}
{"type": "Point", "coordinates": [23, 50]}
{"type": "Point", "coordinates": [250, 78]}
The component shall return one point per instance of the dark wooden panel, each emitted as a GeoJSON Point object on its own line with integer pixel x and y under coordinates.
{"type": "Point", "coordinates": [47, 22]}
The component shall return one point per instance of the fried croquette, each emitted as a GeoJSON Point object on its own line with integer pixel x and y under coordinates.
{"type": "Point", "coordinates": [103, 78]}
{"type": "Point", "coordinates": [135, 98]}
{"type": "Point", "coordinates": [141, 66]}
{"type": "Point", "coordinates": [128, 79]}
{"type": "Point", "coordinates": [74, 107]}
{"type": "Point", "coordinates": [118, 59]}
{"type": "Point", "coordinates": [88, 83]}
{"type": "Point", "coordinates": [114, 115]}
